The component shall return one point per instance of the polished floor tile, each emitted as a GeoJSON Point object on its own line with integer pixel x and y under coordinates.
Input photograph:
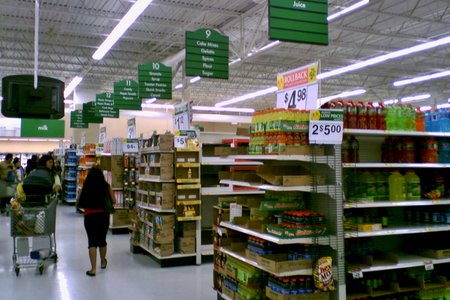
{"type": "Point", "coordinates": [128, 276]}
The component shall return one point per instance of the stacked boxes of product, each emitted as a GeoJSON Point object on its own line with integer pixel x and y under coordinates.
{"type": "Point", "coordinates": [162, 234]}
{"type": "Point", "coordinates": [185, 241]}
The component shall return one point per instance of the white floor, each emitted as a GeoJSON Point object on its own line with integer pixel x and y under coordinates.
{"type": "Point", "coordinates": [128, 276]}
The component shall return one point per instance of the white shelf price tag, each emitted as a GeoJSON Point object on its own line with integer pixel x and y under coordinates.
{"type": "Point", "coordinates": [180, 142]}
{"type": "Point", "coordinates": [358, 274]}
{"type": "Point", "coordinates": [302, 97]}
{"type": "Point", "coordinates": [130, 146]}
{"type": "Point", "coordinates": [326, 126]}
{"type": "Point", "coordinates": [428, 265]}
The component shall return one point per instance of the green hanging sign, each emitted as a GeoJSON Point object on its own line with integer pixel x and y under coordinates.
{"type": "Point", "coordinates": [299, 21]}
{"type": "Point", "coordinates": [207, 54]}
{"type": "Point", "coordinates": [89, 115]}
{"type": "Point", "coordinates": [42, 128]}
{"type": "Point", "coordinates": [76, 119]}
{"type": "Point", "coordinates": [126, 95]}
{"type": "Point", "coordinates": [155, 81]}
{"type": "Point", "coordinates": [104, 106]}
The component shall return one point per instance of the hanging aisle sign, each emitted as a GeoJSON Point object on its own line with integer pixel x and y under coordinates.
{"type": "Point", "coordinates": [207, 54]}
{"type": "Point", "coordinates": [155, 81]}
{"type": "Point", "coordinates": [182, 116]}
{"type": "Point", "coordinates": [126, 95]}
{"type": "Point", "coordinates": [299, 21]}
{"type": "Point", "coordinates": [89, 115]}
{"type": "Point", "coordinates": [326, 126]}
{"type": "Point", "coordinates": [104, 106]}
{"type": "Point", "coordinates": [131, 129]}
{"type": "Point", "coordinates": [76, 119]}
{"type": "Point", "coordinates": [298, 88]}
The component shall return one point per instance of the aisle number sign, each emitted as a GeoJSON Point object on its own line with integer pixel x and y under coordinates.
{"type": "Point", "coordinates": [155, 81]}
{"type": "Point", "coordinates": [326, 126]}
{"type": "Point", "coordinates": [298, 88]}
{"type": "Point", "coordinates": [207, 54]}
{"type": "Point", "coordinates": [104, 106]}
{"type": "Point", "coordinates": [182, 116]}
{"type": "Point", "coordinates": [76, 119]}
{"type": "Point", "coordinates": [126, 95]}
{"type": "Point", "coordinates": [89, 115]}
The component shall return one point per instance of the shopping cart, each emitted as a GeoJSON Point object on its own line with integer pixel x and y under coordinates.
{"type": "Point", "coordinates": [33, 233]}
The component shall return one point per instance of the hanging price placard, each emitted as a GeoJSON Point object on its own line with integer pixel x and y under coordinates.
{"type": "Point", "coordinates": [303, 97]}
{"type": "Point", "coordinates": [180, 142]}
{"type": "Point", "coordinates": [102, 135]}
{"type": "Point", "coordinates": [130, 146]}
{"type": "Point", "coordinates": [131, 128]}
{"type": "Point", "coordinates": [326, 126]}
{"type": "Point", "coordinates": [181, 119]}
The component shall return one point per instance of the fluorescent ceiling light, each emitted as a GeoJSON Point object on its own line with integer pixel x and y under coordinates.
{"type": "Point", "coordinates": [234, 61]}
{"type": "Point", "coordinates": [422, 78]}
{"type": "Point", "coordinates": [163, 106]}
{"type": "Point", "coordinates": [341, 95]}
{"type": "Point", "coordinates": [1, 98]}
{"type": "Point", "coordinates": [149, 101]}
{"type": "Point", "coordinates": [268, 46]}
{"type": "Point", "coordinates": [248, 96]}
{"type": "Point", "coordinates": [68, 101]}
{"type": "Point", "coordinates": [384, 57]}
{"type": "Point", "coordinates": [215, 118]}
{"type": "Point", "coordinates": [348, 9]}
{"type": "Point", "coordinates": [375, 104]}
{"type": "Point", "coordinates": [415, 98]}
{"type": "Point", "coordinates": [425, 108]}
{"type": "Point", "coordinates": [390, 101]}
{"type": "Point", "coordinates": [444, 105]}
{"type": "Point", "coordinates": [224, 109]}
{"type": "Point", "coordinates": [135, 11]}
{"type": "Point", "coordinates": [72, 85]}
{"type": "Point", "coordinates": [195, 79]}
{"type": "Point", "coordinates": [178, 86]}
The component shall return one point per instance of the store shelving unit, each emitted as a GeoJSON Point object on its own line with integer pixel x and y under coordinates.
{"type": "Point", "coordinates": [326, 197]}
{"type": "Point", "coordinates": [70, 175]}
{"type": "Point", "coordinates": [394, 239]}
{"type": "Point", "coordinates": [165, 228]}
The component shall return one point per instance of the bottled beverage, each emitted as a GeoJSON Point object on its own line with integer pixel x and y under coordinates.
{"type": "Point", "coordinates": [420, 120]}
{"type": "Point", "coordinates": [368, 186]}
{"type": "Point", "coordinates": [390, 118]}
{"type": "Point", "coordinates": [381, 116]}
{"type": "Point", "coordinates": [382, 187]}
{"type": "Point", "coordinates": [361, 109]}
{"type": "Point", "coordinates": [429, 151]}
{"type": "Point", "coordinates": [410, 118]}
{"type": "Point", "coordinates": [346, 150]}
{"type": "Point", "coordinates": [371, 116]}
{"type": "Point", "coordinates": [412, 186]}
{"type": "Point", "coordinates": [409, 151]}
{"type": "Point", "coordinates": [387, 148]}
{"type": "Point", "coordinates": [444, 151]}
{"type": "Point", "coordinates": [397, 190]}
{"type": "Point", "coordinates": [428, 121]}
{"type": "Point", "coordinates": [352, 114]}
{"type": "Point", "coordinates": [400, 117]}
{"type": "Point", "coordinates": [354, 150]}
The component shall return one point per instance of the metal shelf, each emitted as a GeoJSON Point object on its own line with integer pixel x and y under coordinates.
{"type": "Point", "coordinates": [154, 150]}
{"type": "Point", "coordinates": [256, 265]}
{"type": "Point", "coordinates": [371, 132]}
{"type": "Point", "coordinates": [223, 161]}
{"type": "Point", "coordinates": [280, 157]}
{"type": "Point", "coordinates": [406, 203]}
{"type": "Point", "coordinates": [227, 190]}
{"type": "Point", "coordinates": [268, 187]}
{"type": "Point", "coordinates": [154, 208]}
{"type": "Point", "coordinates": [404, 261]}
{"type": "Point", "coordinates": [323, 240]}
{"type": "Point", "coordinates": [422, 228]}
{"type": "Point", "coordinates": [173, 256]}
{"type": "Point", "coordinates": [150, 178]}
{"type": "Point", "coordinates": [395, 165]}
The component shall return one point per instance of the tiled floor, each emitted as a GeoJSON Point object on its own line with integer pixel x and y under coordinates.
{"type": "Point", "coordinates": [128, 276]}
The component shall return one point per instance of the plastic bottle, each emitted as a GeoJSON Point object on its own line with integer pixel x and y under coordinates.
{"type": "Point", "coordinates": [420, 120]}
{"type": "Point", "coordinates": [428, 121]}
{"type": "Point", "coordinates": [352, 114]}
{"type": "Point", "coordinates": [368, 186]}
{"type": "Point", "coordinates": [429, 151]}
{"type": "Point", "coordinates": [409, 151]}
{"type": "Point", "coordinates": [412, 186]}
{"type": "Point", "coordinates": [346, 150]}
{"type": "Point", "coordinates": [354, 150]}
{"type": "Point", "coordinates": [397, 190]}
{"type": "Point", "coordinates": [382, 187]}
{"type": "Point", "coordinates": [444, 151]}
{"type": "Point", "coordinates": [410, 118]}
{"type": "Point", "coordinates": [381, 116]}
{"type": "Point", "coordinates": [371, 116]}
{"type": "Point", "coordinates": [390, 118]}
{"type": "Point", "coordinates": [362, 115]}
{"type": "Point", "coordinates": [400, 117]}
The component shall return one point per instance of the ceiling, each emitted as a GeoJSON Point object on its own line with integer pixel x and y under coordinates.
{"type": "Point", "coordinates": [70, 32]}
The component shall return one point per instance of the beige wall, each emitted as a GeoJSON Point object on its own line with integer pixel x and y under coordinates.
{"type": "Point", "coordinates": [27, 147]}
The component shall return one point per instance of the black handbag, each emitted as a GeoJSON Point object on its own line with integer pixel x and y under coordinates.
{"type": "Point", "coordinates": [109, 208]}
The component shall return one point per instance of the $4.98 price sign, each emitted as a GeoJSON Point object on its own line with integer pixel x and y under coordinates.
{"type": "Point", "coordinates": [326, 126]}
{"type": "Point", "coordinates": [301, 97]}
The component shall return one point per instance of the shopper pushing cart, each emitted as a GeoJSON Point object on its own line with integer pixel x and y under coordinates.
{"type": "Point", "coordinates": [33, 219]}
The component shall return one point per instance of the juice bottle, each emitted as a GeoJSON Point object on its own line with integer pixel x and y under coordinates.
{"type": "Point", "coordinates": [390, 118]}
{"type": "Point", "coordinates": [444, 151]}
{"type": "Point", "coordinates": [412, 186]}
{"type": "Point", "coordinates": [410, 124]}
{"type": "Point", "coordinates": [352, 114]}
{"type": "Point", "coordinates": [361, 109]}
{"type": "Point", "coordinates": [381, 116]}
{"type": "Point", "coordinates": [382, 187]}
{"type": "Point", "coordinates": [397, 189]}
{"type": "Point", "coordinates": [371, 116]}
{"type": "Point", "coordinates": [354, 150]}
{"type": "Point", "coordinates": [429, 151]}
{"type": "Point", "coordinates": [420, 120]}
{"type": "Point", "coordinates": [400, 117]}
{"type": "Point", "coordinates": [368, 186]}
{"type": "Point", "coordinates": [409, 151]}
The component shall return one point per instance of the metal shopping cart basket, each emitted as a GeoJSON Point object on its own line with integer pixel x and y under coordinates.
{"type": "Point", "coordinates": [33, 232]}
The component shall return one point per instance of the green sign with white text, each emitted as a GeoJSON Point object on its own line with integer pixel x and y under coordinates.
{"type": "Point", "coordinates": [42, 128]}
{"type": "Point", "coordinates": [89, 115]}
{"type": "Point", "coordinates": [104, 106]}
{"type": "Point", "coordinates": [76, 119]}
{"type": "Point", "coordinates": [299, 21]}
{"type": "Point", "coordinates": [126, 95]}
{"type": "Point", "coordinates": [155, 81]}
{"type": "Point", "coordinates": [207, 54]}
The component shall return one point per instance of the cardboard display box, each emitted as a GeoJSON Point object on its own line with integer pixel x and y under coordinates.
{"type": "Point", "coordinates": [163, 236]}
{"type": "Point", "coordinates": [185, 244]}
{"type": "Point", "coordinates": [288, 176]}
{"type": "Point", "coordinates": [187, 233]}
{"type": "Point", "coordinates": [434, 253]}
{"type": "Point", "coordinates": [303, 150]}
{"type": "Point", "coordinates": [120, 218]}
{"type": "Point", "coordinates": [163, 221]}
{"type": "Point", "coordinates": [278, 263]}
{"type": "Point", "coordinates": [164, 249]}
{"type": "Point", "coordinates": [187, 226]}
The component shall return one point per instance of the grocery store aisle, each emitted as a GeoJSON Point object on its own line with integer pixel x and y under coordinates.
{"type": "Point", "coordinates": [128, 276]}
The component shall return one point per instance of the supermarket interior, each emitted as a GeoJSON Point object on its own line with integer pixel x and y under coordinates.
{"type": "Point", "coordinates": [279, 149]}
